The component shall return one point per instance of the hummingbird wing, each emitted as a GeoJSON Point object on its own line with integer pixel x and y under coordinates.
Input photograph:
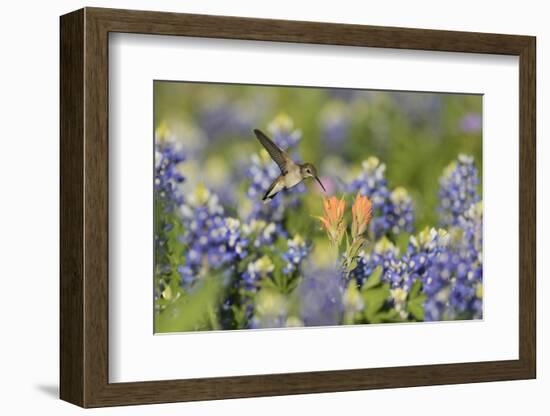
{"type": "Point", "coordinates": [279, 156]}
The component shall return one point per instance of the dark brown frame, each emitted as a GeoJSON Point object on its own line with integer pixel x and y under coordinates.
{"type": "Point", "coordinates": [84, 207]}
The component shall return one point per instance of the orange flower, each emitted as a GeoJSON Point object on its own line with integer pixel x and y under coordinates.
{"type": "Point", "coordinates": [361, 213]}
{"type": "Point", "coordinates": [333, 220]}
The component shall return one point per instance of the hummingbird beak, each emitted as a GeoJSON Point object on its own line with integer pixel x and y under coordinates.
{"type": "Point", "coordinates": [320, 183]}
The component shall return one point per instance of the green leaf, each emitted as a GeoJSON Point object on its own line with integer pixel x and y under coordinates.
{"type": "Point", "coordinates": [391, 316]}
{"type": "Point", "coordinates": [293, 284]}
{"type": "Point", "coordinates": [415, 289]}
{"type": "Point", "coordinates": [416, 307]}
{"type": "Point", "coordinates": [402, 241]}
{"type": "Point", "coordinates": [243, 264]}
{"type": "Point", "coordinates": [374, 279]}
{"type": "Point", "coordinates": [268, 284]}
{"type": "Point", "coordinates": [351, 266]}
{"type": "Point", "coordinates": [191, 312]}
{"type": "Point", "coordinates": [374, 301]}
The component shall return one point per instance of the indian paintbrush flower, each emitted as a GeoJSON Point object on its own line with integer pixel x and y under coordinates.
{"type": "Point", "coordinates": [361, 213]}
{"type": "Point", "coordinates": [333, 220]}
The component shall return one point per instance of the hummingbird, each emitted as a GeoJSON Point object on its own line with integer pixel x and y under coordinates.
{"type": "Point", "coordinates": [292, 173]}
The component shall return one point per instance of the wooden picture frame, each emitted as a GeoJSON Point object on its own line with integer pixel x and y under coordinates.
{"type": "Point", "coordinates": [84, 207]}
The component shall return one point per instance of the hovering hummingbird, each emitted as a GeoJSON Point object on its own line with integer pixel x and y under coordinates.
{"type": "Point", "coordinates": [291, 173]}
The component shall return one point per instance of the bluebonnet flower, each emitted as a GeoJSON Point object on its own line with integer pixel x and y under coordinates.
{"type": "Point", "coordinates": [249, 283]}
{"type": "Point", "coordinates": [321, 297]}
{"type": "Point", "coordinates": [471, 123]}
{"type": "Point", "coordinates": [168, 157]}
{"type": "Point", "coordinates": [398, 297]}
{"type": "Point", "coordinates": [467, 293]}
{"type": "Point", "coordinates": [450, 273]}
{"type": "Point", "coordinates": [220, 117]}
{"type": "Point", "coordinates": [260, 233]}
{"type": "Point", "coordinates": [384, 254]}
{"type": "Point", "coordinates": [395, 267]}
{"type": "Point", "coordinates": [458, 190]}
{"type": "Point", "coordinates": [400, 211]}
{"type": "Point", "coordinates": [393, 212]}
{"type": "Point", "coordinates": [235, 239]}
{"type": "Point", "coordinates": [449, 264]}
{"type": "Point", "coordinates": [344, 94]}
{"type": "Point", "coordinates": [167, 195]}
{"type": "Point", "coordinates": [294, 255]}
{"type": "Point", "coordinates": [471, 224]}
{"type": "Point", "coordinates": [255, 271]}
{"type": "Point", "coordinates": [211, 239]}
{"type": "Point", "coordinates": [256, 234]}
{"type": "Point", "coordinates": [350, 95]}
{"type": "Point", "coordinates": [419, 107]}
{"type": "Point", "coordinates": [283, 132]}
{"type": "Point", "coordinates": [428, 259]}
{"type": "Point", "coordinates": [364, 268]}
{"type": "Point", "coordinates": [448, 267]}
{"type": "Point", "coordinates": [187, 274]}
{"type": "Point", "coordinates": [334, 122]}
{"type": "Point", "coordinates": [461, 209]}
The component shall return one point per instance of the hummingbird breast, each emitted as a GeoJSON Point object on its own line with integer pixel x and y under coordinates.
{"type": "Point", "coordinates": [292, 178]}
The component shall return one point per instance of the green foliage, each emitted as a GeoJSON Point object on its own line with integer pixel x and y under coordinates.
{"type": "Point", "coordinates": [415, 301]}
{"type": "Point", "coordinates": [167, 283]}
{"type": "Point", "coordinates": [374, 279]}
{"type": "Point", "coordinates": [375, 295]}
{"type": "Point", "coordinates": [192, 313]}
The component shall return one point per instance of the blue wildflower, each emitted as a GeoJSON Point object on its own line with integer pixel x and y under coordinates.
{"type": "Point", "coordinates": [334, 122]}
{"type": "Point", "coordinates": [283, 132]}
{"type": "Point", "coordinates": [471, 123]}
{"type": "Point", "coordinates": [458, 190]}
{"type": "Point", "coordinates": [167, 196]}
{"type": "Point", "coordinates": [294, 255]}
{"type": "Point", "coordinates": [209, 236]}
{"type": "Point", "coordinates": [392, 211]}
{"type": "Point", "coordinates": [420, 107]}
{"type": "Point", "coordinates": [219, 118]}
{"type": "Point", "coordinates": [400, 211]}
{"type": "Point", "coordinates": [452, 276]}
{"type": "Point", "coordinates": [260, 233]}
{"type": "Point", "coordinates": [168, 157]}
{"type": "Point", "coordinates": [321, 297]}
{"type": "Point", "coordinates": [256, 270]}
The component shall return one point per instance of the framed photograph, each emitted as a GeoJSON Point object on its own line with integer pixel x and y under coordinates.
{"type": "Point", "coordinates": [255, 207]}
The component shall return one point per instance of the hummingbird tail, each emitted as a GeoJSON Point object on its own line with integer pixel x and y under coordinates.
{"type": "Point", "coordinates": [268, 197]}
